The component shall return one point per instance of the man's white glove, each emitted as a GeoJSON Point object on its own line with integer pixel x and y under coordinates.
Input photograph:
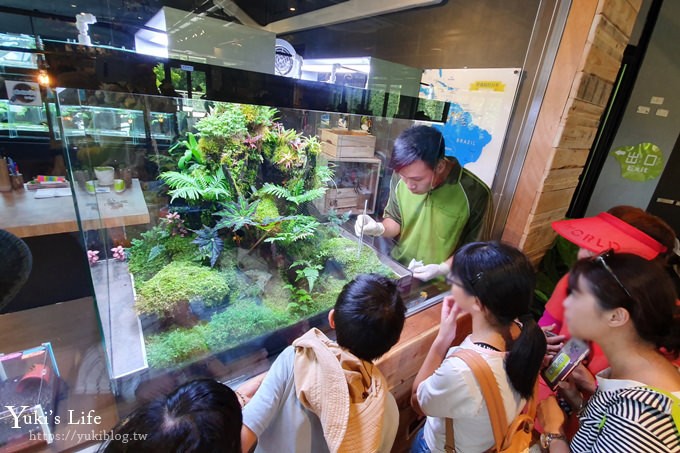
{"type": "Point", "coordinates": [370, 226]}
{"type": "Point", "coordinates": [430, 271]}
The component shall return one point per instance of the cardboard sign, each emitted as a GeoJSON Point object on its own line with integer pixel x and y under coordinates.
{"type": "Point", "coordinates": [23, 93]}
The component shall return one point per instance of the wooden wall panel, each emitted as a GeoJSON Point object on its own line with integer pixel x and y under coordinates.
{"type": "Point", "coordinates": [608, 37]}
{"type": "Point", "coordinates": [548, 200]}
{"type": "Point", "coordinates": [580, 107]}
{"type": "Point", "coordinates": [593, 90]}
{"type": "Point", "coordinates": [569, 158]}
{"type": "Point", "coordinates": [555, 103]}
{"type": "Point", "coordinates": [621, 13]}
{"type": "Point", "coordinates": [601, 64]}
{"type": "Point", "coordinates": [578, 91]}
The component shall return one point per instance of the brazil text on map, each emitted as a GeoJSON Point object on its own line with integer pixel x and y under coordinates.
{"type": "Point", "coordinates": [464, 139]}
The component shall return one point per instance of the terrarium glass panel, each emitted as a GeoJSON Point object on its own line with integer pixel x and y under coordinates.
{"type": "Point", "coordinates": [213, 254]}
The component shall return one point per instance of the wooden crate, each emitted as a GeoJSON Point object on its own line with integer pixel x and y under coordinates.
{"type": "Point", "coordinates": [344, 143]}
{"type": "Point", "coordinates": [355, 183]}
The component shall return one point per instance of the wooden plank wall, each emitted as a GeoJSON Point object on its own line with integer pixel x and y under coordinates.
{"type": "Point", "coordinates": [580, 84]}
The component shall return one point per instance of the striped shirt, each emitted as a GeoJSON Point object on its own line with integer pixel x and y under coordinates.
{"type": "Point", "coordinates": [626, 416]}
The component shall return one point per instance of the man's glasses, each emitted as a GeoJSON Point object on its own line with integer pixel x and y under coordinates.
{"type": "Point", "coordinates": [601, 259]}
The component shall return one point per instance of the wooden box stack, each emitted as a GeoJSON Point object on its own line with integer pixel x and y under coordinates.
{"type": "Point", "coordinates": [345, 143]}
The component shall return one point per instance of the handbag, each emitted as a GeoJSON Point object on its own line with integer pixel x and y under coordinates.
{"type": "Point", "coordinates": [507, 439]}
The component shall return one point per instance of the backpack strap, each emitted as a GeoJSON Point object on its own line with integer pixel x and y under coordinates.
{"type": "Point", "coordinates": [450, 443]}
{"type": "Point", "coordinates": [489, 388]}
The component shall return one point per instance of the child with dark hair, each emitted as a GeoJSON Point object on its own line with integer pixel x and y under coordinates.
{"type": "Point", "coordinates": [435, 205]}
{"type": "Point", "coordinates": [201, 416]}
{"type": "Point", "coordinates": [321, 396]}
{"type": "Point", "coordinates": [627, 305]}
{"type": "Point", "coordinates": [494, 283]}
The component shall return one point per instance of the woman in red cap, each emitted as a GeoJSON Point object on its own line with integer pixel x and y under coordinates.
{"type": "Point", "coordinates": [624, 229]}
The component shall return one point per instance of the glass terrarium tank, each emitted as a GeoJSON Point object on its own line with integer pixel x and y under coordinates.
{"type": "Point", "coordinates": [216, 246]}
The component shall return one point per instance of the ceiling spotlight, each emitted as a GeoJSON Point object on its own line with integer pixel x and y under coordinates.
{"type": "Point", "coordinates": [43, 78]}
{"type": "Point", "coordinates": [292, 5]}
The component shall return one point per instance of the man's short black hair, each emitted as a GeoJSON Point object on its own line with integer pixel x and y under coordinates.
{"type": "Point", "coordinates": [369, 316]}
{"type": "Point", "coordinates": [417, 143]}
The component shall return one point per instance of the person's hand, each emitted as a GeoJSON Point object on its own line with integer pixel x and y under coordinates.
{"type": "Point", "coordinates": [370, 226]}
{"type": "Point", "coordinates": [430, 271]}
{"type": "Point", "coordinates": [583, 379]}
{"type": "Point", "coordinates": [555, 342]}
{"type": "Point", "coordinates": [448, 322]}
{"type": "Point", "coordinates": [246, 390]}
{"type": "Point", "coordinates": [550, 415]}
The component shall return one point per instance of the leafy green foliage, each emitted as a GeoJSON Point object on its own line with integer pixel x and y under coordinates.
{"type": "Point", "coordinates": [297, 196]}
{"type": "Point", "coordinates": [209, 243]}
{"type": "Point", "coordinates": [306, 270]}
{"type": "Point", "coordinates": [175, 346]}
{"type": "Point", "coordinates": [197, 185]}
{"type": "Point", "coordinates": [297, 228]}
{"type": "Point", "coordinates": [241, 321]}
{"type": "Point", "coordinates": [156, 248]}
{"type": "Point", "coordinates": [180, 282]}
{"type": "Point", "coordinates": [335, 220]}
{"type": "Point", "coordinates": [193, 152]}
{"type": "Point", "coordinates": [238, 214]}
{"type": "Point", "coordinates": [344, 251]}
{"type": "Point", "coordinates": [266, 210]}
{"type": "Point", "coordinates": [301, 301]}
{"type": "Point", "coordinates": [227, 124]}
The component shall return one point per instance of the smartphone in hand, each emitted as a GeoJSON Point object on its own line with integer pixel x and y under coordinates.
{"type": "Point", "coordinates": [564, 362]}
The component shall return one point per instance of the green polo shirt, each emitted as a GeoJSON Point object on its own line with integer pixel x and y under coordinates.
{"type": "Point", "coordinates": [435, 224]}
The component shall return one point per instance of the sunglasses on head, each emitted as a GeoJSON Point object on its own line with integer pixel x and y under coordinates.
{"type": "Point", "coordinates": [601, 259]}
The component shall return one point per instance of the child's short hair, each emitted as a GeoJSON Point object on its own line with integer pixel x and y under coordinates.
{"type": "Point", "coordinates": [201, 415]}
{"type": "Point", "coordinates": [369, 316]}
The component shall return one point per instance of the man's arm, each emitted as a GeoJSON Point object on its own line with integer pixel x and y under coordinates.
{"type": "Point", "coordinates": [392, 228]}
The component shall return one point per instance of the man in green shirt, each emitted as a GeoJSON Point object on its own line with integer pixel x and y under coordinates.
{"type": "Point", "coordinates": [434, 207]}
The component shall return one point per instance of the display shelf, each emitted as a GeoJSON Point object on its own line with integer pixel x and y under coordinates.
{"type": "Point", "coordinates": [80, 121]}
{"type": "Point", "coordinates": [22, 120]}
{"type": "Point", "coordinates": [355, 184]}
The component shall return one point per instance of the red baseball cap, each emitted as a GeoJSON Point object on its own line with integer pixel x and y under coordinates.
{"type": "Point", "coordinates": [604, 232]}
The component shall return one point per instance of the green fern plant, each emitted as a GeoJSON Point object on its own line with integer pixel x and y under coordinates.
{"type": "Point", "coordinates": [238, 214]}
{"type": "Point", "coordinates": [305, 269]}
{"type": "Point", "coordinates": [297, 228]}
{"type": "Point", "coordinates": [297, 196]}
{"type": "Point", "coordinates": [197, 185]}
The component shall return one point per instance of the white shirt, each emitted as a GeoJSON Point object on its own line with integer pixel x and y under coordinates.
{"type": "Point", "coordinates": [282, 424]}
{"type": "Point", "coordinates": [452, 392]}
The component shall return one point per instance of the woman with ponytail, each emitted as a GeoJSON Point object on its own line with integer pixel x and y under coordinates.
{"type": "Point", "coordinates": [494, 283]}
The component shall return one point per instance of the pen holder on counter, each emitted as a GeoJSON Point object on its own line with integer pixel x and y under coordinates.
{"type": "Point", "coordinates": [17, 181]}
{"type": "Point", "coordinates": [5, 183]}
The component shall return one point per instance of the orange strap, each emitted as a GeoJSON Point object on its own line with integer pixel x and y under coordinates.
{"type": "Point", "coordinates": [494, 402]}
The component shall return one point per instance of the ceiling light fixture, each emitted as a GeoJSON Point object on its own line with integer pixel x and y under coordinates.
{"type": "Point", "coordinates": [43, 78]}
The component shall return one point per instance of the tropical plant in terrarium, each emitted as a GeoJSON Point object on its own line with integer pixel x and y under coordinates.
{"type": "Point", "coordinates": [196, 180]}
{"type": "Point", "coordinates": [257, 260]}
